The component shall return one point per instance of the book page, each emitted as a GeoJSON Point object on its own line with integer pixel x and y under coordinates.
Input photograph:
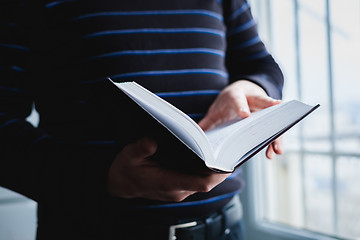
{"type": "Point", "coordinates": [218, 135]}
{"type": "Point", "coordinates": [177, 122]}
{"type": "Point", "coordinates": [172, 125]}
{"type": "Point", "coordinates": [245, 139]}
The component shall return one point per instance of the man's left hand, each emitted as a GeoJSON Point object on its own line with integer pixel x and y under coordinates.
{"type": "Point", "coordinates": [239, 99]}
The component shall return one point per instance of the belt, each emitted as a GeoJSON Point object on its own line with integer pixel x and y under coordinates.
{"type": "Point", "coordinates": [211, 227]}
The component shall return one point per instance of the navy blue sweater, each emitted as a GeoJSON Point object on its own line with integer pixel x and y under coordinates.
{"type": "Point", "coordinates": [56, 54]}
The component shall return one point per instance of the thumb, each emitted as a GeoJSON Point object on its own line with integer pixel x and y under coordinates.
{"type": "Point", "coordinates": [206, 123]}
{"type": "Point", "coordinates": [144, 147]}
{"type": "Point", "coordinates": [261, 102]}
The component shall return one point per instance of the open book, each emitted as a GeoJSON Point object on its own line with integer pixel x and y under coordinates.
{"type": "Point", "coordinates": [225, 147]}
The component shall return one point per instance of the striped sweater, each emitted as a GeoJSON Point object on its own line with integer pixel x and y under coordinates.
{"type": "Point", "coordinates": [54, 55]}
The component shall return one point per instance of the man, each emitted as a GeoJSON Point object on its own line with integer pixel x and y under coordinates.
{"type": "Point", "coordinates": [96, 179]}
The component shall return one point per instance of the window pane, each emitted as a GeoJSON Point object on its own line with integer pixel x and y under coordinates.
{"type": "Point", "coordinates": [346, 53]}
{"type": "Point", "coordinates": [284, 184]}
{"type": "Point", "coordinates": [283, 43]}
{"type": "Point", "coordinates": [318, 194]}
{"type": "Point", "coordinates": [348, 182]}
{"type": "Point", "coordinates": [283, 48]}
{"type": "Point", "coordinates": [300, 195]}
{"type": "Point", "coordinates": [314, 71]}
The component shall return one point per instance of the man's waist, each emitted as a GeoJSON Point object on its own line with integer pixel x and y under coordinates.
{"type": "Point", "coordinates": [173, 227]}
{"type": "Point", "coordinates": [135, 209]}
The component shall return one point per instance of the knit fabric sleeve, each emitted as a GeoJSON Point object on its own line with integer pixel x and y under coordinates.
{"type": "Point", "coordinates": [247, 56]}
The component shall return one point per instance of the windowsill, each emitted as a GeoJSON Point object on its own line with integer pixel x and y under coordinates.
{"type": "Point", "coordinates": [288, 232]}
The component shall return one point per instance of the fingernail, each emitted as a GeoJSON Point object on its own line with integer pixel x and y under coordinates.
{"type": "Point", "coordinates": [245, 110]}
{"type": "Point", "coordinates": [276, 147]}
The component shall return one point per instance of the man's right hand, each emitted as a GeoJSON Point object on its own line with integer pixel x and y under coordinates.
{"type": "Point", "coordinates": [133, 175]}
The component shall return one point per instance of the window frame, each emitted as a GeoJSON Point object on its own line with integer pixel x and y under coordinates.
{"type": "Point", "coordinates": [257, 227]}
{"type": "Point", "coordinates": [253, 196]}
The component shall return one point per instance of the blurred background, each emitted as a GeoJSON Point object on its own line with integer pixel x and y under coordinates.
{"type": "Point", "coordinates": [313, 190]}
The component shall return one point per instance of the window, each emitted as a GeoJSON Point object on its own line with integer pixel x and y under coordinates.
{"type": "Point", "coordinates": [313, 189]}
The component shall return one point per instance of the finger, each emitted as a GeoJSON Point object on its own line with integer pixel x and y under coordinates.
{"type": "Point", "coordinates": [206, 123]}
{"type": "Point", "coordinates": [176, 196]}
{"type": "Point", "coordinates": [278, 146]}
{"type": "Point", "coordinates": [270, 152]}
{"type": "Point", "coordinates": [261, 102]}
{"type": "Point", "coordinates": [243, 109]}
{"type": "Point", "coordinates": [190, 182]}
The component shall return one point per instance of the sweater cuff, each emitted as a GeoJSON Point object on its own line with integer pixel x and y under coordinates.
{"type": "Point", "coordinates": [264, 82]}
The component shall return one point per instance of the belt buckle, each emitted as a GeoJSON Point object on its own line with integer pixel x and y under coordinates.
{"type": "Point", "coordinates": [172, 228]}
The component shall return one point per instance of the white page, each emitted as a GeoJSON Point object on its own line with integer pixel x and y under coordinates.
{"type": "Point", "coordinates": [259, 130]}
{"type": "Point", "coordinates": [177, 122]}
{"type": "Point", "coordinates": [172, 125]}
{"type": "Point", "coordinates": [218, 135]}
